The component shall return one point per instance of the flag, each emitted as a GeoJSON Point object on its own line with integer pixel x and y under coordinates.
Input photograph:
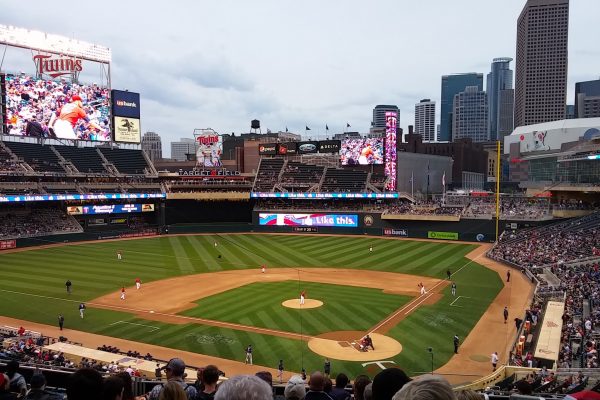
{"type": "Point", "coordinates": [347, 125]}
{"type": "Point", "coordinates": [286, 130]}
{"type": "Point", "coordinates": [307, 128]}
{"type": "Point", "coordinates": [444, 179]}
{"type": "Point", "coordinates": [326, 127]}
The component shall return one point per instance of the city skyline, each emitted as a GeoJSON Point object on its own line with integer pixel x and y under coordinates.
{"type": "Point", "coordinates": [260, 61]}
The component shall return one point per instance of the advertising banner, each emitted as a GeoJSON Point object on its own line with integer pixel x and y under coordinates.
{"type": "Point", "coordinates": [334, 220]}
{"type": "Point", "coordinates": [209, 148]}
{"type": "Point", "coordinates": [395, 232]}
{"type": "Point", "coordinates": [109, 209]}
{"type": "Point", "coordinates": [305, 229]}
{"type": "Point", "coordinates": [8, 244]}
{"type": "Point", "coordinates": [127, 130]}
{"type": "Point", "coordinates": [442, 235]}
{"type": "Point", "coordinates": [125, 104]}
{"type": "Point", "coordinates": [287, 149]}
{"type": "Point", "coordinates": [267, 149]}
{"type": "Point", "coordinates": [321, 196]}
{"type": "Point", "coordinates": [308, 147]}
{"type": "Point", "coordinates": [330, 146]}
{"type": "Point", "coordinates": [66, 197]}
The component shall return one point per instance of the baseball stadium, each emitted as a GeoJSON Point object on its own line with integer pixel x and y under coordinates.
{"type": "Point", "coordinates": [270, 253]}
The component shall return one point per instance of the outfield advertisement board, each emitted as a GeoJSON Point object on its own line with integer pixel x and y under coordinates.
{"type": "Point", "coordinates": [109, 209]}
{"type": "Point", "coordinates": [8, 244]}
{"type": "Point", "coordinates": [442, 235]}
{"type": "Point", "coordinates": [333, 220]}
{"type": "Point", "coordinates": [395, 232]}
{"type": "Point", "coordinates": [125, 104]}
{"type": "Point", "coordinates": [66, 197]}
{"type": "Point", "coordinates": [127, 130]}
{"type": "Point", "coordinates": [318, 196]}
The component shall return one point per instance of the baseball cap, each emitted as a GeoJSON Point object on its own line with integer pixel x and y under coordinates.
{"type": "Point", "coordinates": [76, 98]}
{"type": "Point", "coordinates": [176, 365]}
{"type": "Point", "coordinates": [37, 381]}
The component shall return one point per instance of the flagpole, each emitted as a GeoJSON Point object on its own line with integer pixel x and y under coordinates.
{"type": "Point", "coordinates": [412, 184]}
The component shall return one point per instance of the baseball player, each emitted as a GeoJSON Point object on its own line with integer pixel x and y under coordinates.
{"type": "Point", "coordinates": [505, 314]}
{"type": "Point", "coordinates": [119, 255]}
{"type": "Point", "coordinates": [370, 249]}
{"type": "Point", "coordinates": [68, 284]}
{"type": "Point", "coordinates": [448, 273]}
{"type": "Point", "coordinates": [280, 373]}
{"type": "Point", "coordinates": [61, 321]}
{"type": "Point", "coordinates": [494, 360]}
{"type": "Point", "coordinates": [249, 354]}
{"type": "Point", "coordinates": [422, 287]}
{"type": "Point", "coordinates": [138, 283]}
{"type": "Point", "coordinates": [216, 244]}
{"type": "Point", "coordinates": [453, 287]}
{"type": "Point", "coordinates": [263, 269]}
{"type": "Point", "coordinates": [68, 115]}
{"type": "Point", "coordinates": [456, 341]}
{"type": "Point", "coordinates": [81, 309]}
{"type": "Point", "coordinates": [123, 293]}
{"type": "Point", "coordinates": [302, 297]}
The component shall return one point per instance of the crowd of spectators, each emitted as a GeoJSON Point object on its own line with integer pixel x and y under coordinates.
{"type": "Point", "coordinates": [38, 222]}
{"type": "Point", "coordinates": [34, 101]}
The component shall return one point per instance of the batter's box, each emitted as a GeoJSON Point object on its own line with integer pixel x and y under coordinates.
{"type": "Point", "coordinates": [345, 344]}
{"type": "Point", "coordinates": [453, 304]}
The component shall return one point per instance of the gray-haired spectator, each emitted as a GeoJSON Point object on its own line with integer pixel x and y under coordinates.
{"type": "Point", "coordinates": [295, 388]}
{"type": "Point", "coordinates": [428, 387]}
{"type": "Point", "coordinates": [244, 387]}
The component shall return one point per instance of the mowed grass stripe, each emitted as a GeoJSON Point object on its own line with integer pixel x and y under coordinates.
{"type": "Point", "coordinates": [272, 258]}
{"type": "Point", "coordinates": [296, 257]}
{"type": "Point", "coordinates": [182, 261]}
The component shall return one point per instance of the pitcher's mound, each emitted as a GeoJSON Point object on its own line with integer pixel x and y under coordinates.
{"type": "Point", "coordinates": [344, 346]}
{"type": "Point", "coordinates": [308, 303]}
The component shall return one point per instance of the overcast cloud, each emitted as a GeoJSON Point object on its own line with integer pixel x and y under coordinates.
{"type": "Point", "coordinates": [219, 64]}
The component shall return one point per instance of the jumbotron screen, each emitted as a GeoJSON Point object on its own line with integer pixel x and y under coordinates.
{"type": "Point", "coordinates": [334, 220]}
{"type": "Point", "coordinates": [110, 209]}
{"type": "Point", "coordinates": [56, 109]}
{"type": "Point", "coordinates": [362, 151]}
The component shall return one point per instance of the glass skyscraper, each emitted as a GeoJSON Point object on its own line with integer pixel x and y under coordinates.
{"type": "Point", "coordinates": [451, 86]}
{"type": "Point", "coordinates": [499, 79]}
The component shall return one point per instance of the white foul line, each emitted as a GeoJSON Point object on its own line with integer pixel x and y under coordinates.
{"type": "Point", "coordinates": [379, 325]}
{"type": "Point", "coordinates": [454, 301]}
{"type": "Point", "coordinates": [154, 328]}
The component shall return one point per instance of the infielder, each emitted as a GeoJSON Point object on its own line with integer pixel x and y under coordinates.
{"type": "Point", "coordinates": [422, 287]}
{"type": "Point", "coordinates": [123, 293]}
{"type": "Point", "coordinates": [302, 297]}
{"type": "Point", "coordinates": [81, 309]}
{"type": "Point", "coordinates": [138, 283]}
{"type": "Point", "coordinates": [453, 289]}
{"type": "Point", "coordinates": [249, 354]}
{"type": "Point", "coordinates": [263, 269]}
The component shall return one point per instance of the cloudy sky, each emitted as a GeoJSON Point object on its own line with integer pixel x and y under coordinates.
{"type": "Point", "coordinates": [220, 64]}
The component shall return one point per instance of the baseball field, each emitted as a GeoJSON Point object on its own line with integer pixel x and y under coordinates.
{"type": "Point", "coordinates": [213, 299]}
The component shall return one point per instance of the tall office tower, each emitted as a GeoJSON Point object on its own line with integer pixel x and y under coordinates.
{"type": "Point", "coordinates": [541, 66]}
{"type": "Point", "coordinates": [379, 115]}
{"type": "Point", "coordinates": [152, 145]}
{"type": "Point", "coordinates": [452, 85]}
{"type": "Point", "coordinates": [500, 98]}
{"type": "Point", "coordinates": [425, 120]}
{"type": "Point", "coordinates": [587, 99]}
{"type": "Point", "coordinates": [470, 115]}
{"type": "Point", "coordinates": [181, 149]}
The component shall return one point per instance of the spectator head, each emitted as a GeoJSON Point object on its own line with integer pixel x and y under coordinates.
{"type": "Point", "coordinates": [316, 382]}
{"type": "Point", "coordinates": [265, 376]}
{"type": "Point", "coordinates": [175, 367]}
{"type": "Point", "coordinates": [112, 389]}
{"type": "Point", "coordinates": [467, 395]}
{"type": "Point", "coordinates": [84, 384]}
{"type": "Point", "coordinates": [210, 375]}
{"type": "Point", "coordinates": [38, 382]}
{"type": "Point", "coordinates": [328, 385]}
{"type": "Point", "coordinates": [360, 382]}
{"type": "Point", "coordinates": [341, 380]}
{"type": "Point", "coordinates": [172, 391]}
{"type": "Point", "coordinates": [127, 385]}
{"type": "Point", "coordinates": [11, 368]}
{"type": "Point", "coordinates": [244, 387]}
{"type": "Point", "coordinates": [428, 387]}
{"type": "Point", "coordinates": [4, 382]}
{"type": "Point", "coordinates": [295, 388]}
{"type": "Point", "coordinates": [368, 392]}
{"type": "Point", "coordinates": [524, 387]}
{"type": "Point", "coordinates": [388, 382]}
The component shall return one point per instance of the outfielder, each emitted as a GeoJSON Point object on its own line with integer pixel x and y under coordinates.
{"type": "Point", "coordinates": [119, 255]}
{"type": "Point", "coordinates": [453, 289]}
{"type": "Point", "coordinates": [138, 283]}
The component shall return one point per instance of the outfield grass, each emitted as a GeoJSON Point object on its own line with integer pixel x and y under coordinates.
{"type": "Point", "coordinates": [94, 271]}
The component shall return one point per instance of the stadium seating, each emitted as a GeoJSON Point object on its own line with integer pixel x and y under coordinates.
{"type": "Point", "coordinates": [85, 159]}
{"type": "Point", "coordinates": [268, 174]}
{"type": "Point", "coordinates": [344, 180]}
{"type": "Point", "coordinates": [130, 162]}
{"type": "Point", "coordinates": [298, 177]}
{"type": "Point", "coordinates": [22, 223]}
{"type": "Point", "coordinates": [40, 158]}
